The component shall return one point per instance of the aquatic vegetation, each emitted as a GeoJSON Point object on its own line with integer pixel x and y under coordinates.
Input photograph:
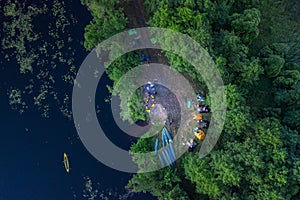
{"type": "Point", "coordinates": [45, 57]}
{"type": "Point", "coordinates": [91, 191]}
{"type": "Point", "coordinates": [88, 191]}
{"type": "Point", "coordinates": [15, 100]}
{"type": "Point", "coordinates": [18, 30]}
{"type": "Point", "coordinates": [25, 62]}
{"type": "Point", "coordinates": [64, 108]}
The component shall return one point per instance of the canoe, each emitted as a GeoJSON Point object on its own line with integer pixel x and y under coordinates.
{"type": "Point", "coordinates": [161, 161]}
{"type": "Point", "coordinates": [168, 140]}
{"type": "Point", "coordinates": [170, 154]}
{"type": "Point", "coordinates": [163, 139]}
{"type": "Point", "coordinates": [66, 163]}
{"type": "Point", "coordinates": [156, 146]}
{"type": "Point", "coordinates": [166, 158]}
{"type": "Point", "coordinates": [172, 150]}
{"type": "Point", "coordinates": [167, 133]}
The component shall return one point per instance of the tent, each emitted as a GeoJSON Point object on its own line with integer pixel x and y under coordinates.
{"type": "Point", "coordinates": [200, 135]}
{"type": "Point", "coordinates": [198, 117]}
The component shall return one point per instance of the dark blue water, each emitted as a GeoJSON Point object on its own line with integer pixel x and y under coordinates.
{"type": "Point", "coordinates": [32, 147]}
{"type": "Point", "coordinates": [31, 161]}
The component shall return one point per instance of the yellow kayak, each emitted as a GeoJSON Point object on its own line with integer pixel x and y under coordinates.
{"type": "Point", "coordinates": [66, 163]}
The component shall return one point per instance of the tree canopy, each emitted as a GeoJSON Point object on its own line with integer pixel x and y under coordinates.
{"type": "Point", "coordinates": [257, 156]}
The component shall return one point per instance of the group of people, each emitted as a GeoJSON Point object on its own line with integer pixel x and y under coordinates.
{"type": "Point", "coordinates": [150, 91]}
{"type": "Point", "coordinates": [201, 97]}
{"type": "Point", "coordinates": [203, 123]}
{"type": "Point", "coordinates": [198, 131]}
{"type": "Point", "coordinates": [203, 109]}
{"type": "Point", "coordinates": [191, 144]}
{"type": "Point", "coordinates": [144, 57]}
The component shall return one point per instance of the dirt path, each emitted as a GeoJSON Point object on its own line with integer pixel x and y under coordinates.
{"type": "Point", "coordinates": [136, 15]}
{"type": "Point", "coordinates": [166, 104]}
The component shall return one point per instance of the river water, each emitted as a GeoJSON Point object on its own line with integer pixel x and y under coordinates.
{"type": "Point", "coordinates": [32, 147]}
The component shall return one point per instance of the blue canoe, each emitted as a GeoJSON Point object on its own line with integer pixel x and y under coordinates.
{"type": "Point", "coordinates": [166, 158]}
{"type": "Point", "coordinates": [172, 150]}
{"type": "Point", "coordinates": [156, 146]}
{"type": "Point", "coordinates": [169, 153]}
{"type": "Point", "coordinates": [165, 130]}
{"type": "Point", "coordinates": [167, 135]}
{"type": "Point", "coordinates": [163, 138]}
{"type": "Point", "coordinates": [161, 161]}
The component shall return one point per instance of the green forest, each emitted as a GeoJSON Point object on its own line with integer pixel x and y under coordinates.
{"type": "Point", "coordinates": [256, 47]}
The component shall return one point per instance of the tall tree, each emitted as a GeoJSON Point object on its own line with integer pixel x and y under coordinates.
{"type": "Point", "coordinates": [246, 24]}
{"type": "Point", "coordinates": [107, 21]}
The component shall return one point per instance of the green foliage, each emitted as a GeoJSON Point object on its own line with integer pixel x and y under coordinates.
{"type": "Point", "coordinates": [233, 50]}
{"type": "Point", "coordinates": [121, 65]}
{"type": "Point", "coordinates": [287, 78]}
{"type": "Point", "coordinates": [160, 183]}
{"type": "Point", "coordinates": [256, 166]}
{"type": "Point", "coordinates": [292, 118]}
{"type": "Point", "coordinates": [107, 21]}
{"type": "Point", "coordinates": [185, 20]}
{"type": "Point", "coordinates": [246, 24]}
{"type": "Point", "coordinates": [136, 107]}
{"type": "Point", "coordinates": [280, 48]}
{"type": "Point", "coordinates": [188, 21]}
{"type": "Point", "coordinates": [131, 105]}
{"type": "Point", "coordinates": [257, 156]}
{"type": "Point", "coordinates": [142, 146]}
{"type": "Point", "coordinates": [237, 116]}
{"type": "Point", "coordinates": [291, 142]}
{"type": "Point", "coordinates": [251, 72]}
{"type": "Point", "coordinates": [176, 194]}
{"type": "Point", "coordinates": [198, 171]}
{"type": "Point", "coordinates": [279, 22]}
{"type": "Point", "coordinates": [252, 160]}
{"type": "Point", "coordinates": [273, 65]}
{"type": "Point", "coordinates": [290, 98]}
